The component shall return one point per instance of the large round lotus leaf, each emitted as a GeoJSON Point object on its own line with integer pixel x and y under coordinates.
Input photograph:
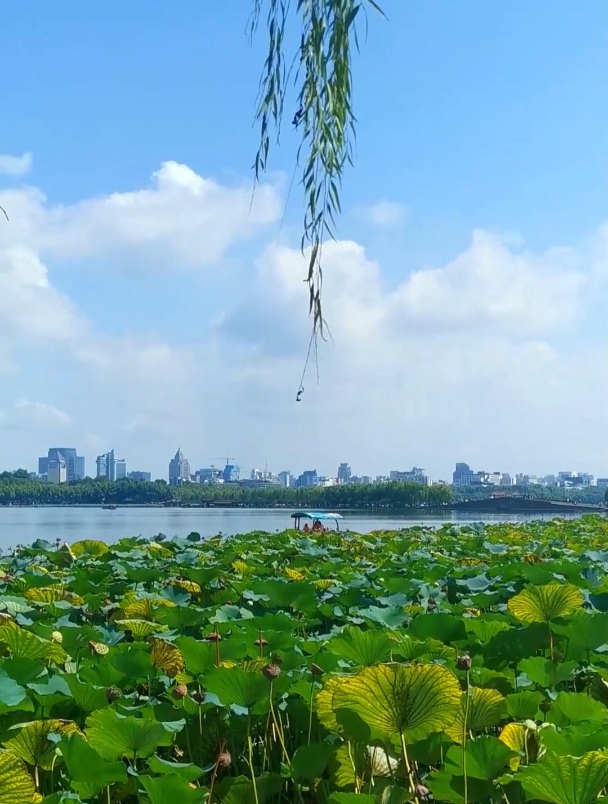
{"type": "Point", "coordinates": [566, 780]}
{"type": "Point", "coordinates": [90, 547]}
{"type": "Point", "coordinates": [115, 737]}
{"type": "Point", "coordinates": [394, 700]}
{"type": "Point", "coordinates": [542, 604]}
{"type": "Point", "coordinates": [16, 784]}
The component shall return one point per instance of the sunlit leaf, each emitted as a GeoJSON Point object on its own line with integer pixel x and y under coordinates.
{"type": "Point", "coordinates": [114, 736]}
{"type": "Point", "coordinates": [486, 708]}
{"type": "Point", "coordinates": [566, 780]}
{"type": "Point", "coordinates": [24, 645]}
{"type": "Point", "coordinates": [167, 657]}
{"type": "Point", "coordinates": [542, 604]}
{"type": "Point", "coordinates": [140, 628]}
{"type": "Point", "coordinates": [394, 700]}
{"type": "Point", "coordinates": [16, 784]}
{"type": "Point", "coordinates": [31, 742]}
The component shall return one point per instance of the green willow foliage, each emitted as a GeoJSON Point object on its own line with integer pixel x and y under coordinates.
{"type": "Point", "coordinates": [324, 118]}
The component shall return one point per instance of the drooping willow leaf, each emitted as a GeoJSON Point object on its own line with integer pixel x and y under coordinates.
{"type": "Point", "coordinates": [323, 115]}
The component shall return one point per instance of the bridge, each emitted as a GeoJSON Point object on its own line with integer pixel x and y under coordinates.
{"type": "Point", "coordinates": [524, 505]}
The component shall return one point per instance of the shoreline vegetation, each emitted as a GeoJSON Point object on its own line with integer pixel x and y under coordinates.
{"type": "Point", "coordinates": [19, 490]}
{"type": "Point", "coordinates": [466, 664]}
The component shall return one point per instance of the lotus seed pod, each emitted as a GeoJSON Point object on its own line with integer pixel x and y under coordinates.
{"type": "Point", "coordinates": [113, 694]}
{"type": "Point", "coordinates": [198, 696]}
{"type": "Point", "coordinates": [224, 760]}
{"type": "Point", "coordinates": [57, 636]}
{"type": "Point", "coordinates": [271, 671]}
{"type": "Point", "coordinates": [213, 637]}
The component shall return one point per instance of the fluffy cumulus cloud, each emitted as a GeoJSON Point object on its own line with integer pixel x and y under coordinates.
{"type": "Point", "coordinates": [497, 357]}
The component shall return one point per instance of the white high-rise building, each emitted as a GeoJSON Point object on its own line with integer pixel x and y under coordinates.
{"type": "Point", "coordinates": [179, 469]}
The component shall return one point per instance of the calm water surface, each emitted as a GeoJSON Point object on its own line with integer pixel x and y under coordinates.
{"type": "Point", "coordinates": [24, 525]}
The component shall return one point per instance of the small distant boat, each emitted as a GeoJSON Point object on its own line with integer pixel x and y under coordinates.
{"type": "Point", "coordinates": [317, 518]}
{"type": "Point", "coordinates": [109, 507]}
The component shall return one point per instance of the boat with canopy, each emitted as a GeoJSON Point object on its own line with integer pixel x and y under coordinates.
{"type": "Point", "coordinates": [315, 517]}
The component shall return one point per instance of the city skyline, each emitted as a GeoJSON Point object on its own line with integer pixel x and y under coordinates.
{"type": "Point", "coordinates": [181, 470]}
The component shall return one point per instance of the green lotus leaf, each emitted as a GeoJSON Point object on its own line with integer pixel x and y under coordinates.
{"type": "Point", "coordinates": [115, 736]}
{"type": "Point", "coordinates": [363, 648]}
{"type": "Point", "coordinates": [310, 761]}
{"type": "Point", "coordinates": [396, 701]}
{"type": "Point", "coordinates": [87, 696]}
{"type": "Point", "coordinates": [576, 707]}
{"type": "Point", "coordinates": [446, 787]}
{"type": "Point", "coordinates": [566, 780]}
{"type": "Point", "coordinates": [446, 628]}
{"type": "Point", "coordinates": [487, 757]}
{"type": "Point", "coordinates": [324, 704]}
{"type": "Point", "coordinates": [523, 705]}
{"type": "Point", "coordinates": [171, 789]}
{"type": "Point", "coordinates": [185, 770]}
{"type": "Point", "coordinates": [546, 673]}
{"type": "Point", "coordinates": [198, 656]}
{"type": "Point", "coordinates": [574, 740]}
{"type": "Point", "coordinates": [484, 629]}
{"type": "Point", "coordinates": [422, 651]}
{"type": "Point", "coordinates": [11, 693]}
{"type": "Point", "coordinates": [52, 594]}
{"type": "Point", "coordinates": [32, 743]}
{"type": "Point", "coordinates": [239, 789]}
{"type": "Point", "coordinates": [352, 798]}
{"type": "Point", "coordinates": [16, 784]}
{"type": "Point", "coordinates": [236, 687]}
{"type": "Point", "coordinates": [84, 765]}
{"type": "Point", "coordinates": [23, 644]}
{"type": "Point", "coordinates": [486, 708]}
{"type": "Point", "coordinates": [543, 604]}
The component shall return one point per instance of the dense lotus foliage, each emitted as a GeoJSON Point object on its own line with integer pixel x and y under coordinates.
{"type": "Point", "coordinates": [461, 665]}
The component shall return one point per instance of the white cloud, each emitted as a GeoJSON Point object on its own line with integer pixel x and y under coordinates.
{"type": "Point", "coordinates": [182, 220]}
{"type": "Point", "coordinates": [386, 214]}
{"type": "Point", "coordinates": [26, 413]}
{"type": "Point", "coordinates": [15, 165]}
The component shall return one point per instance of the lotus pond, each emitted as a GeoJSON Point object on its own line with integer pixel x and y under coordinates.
{"type": "Point", "coordinates": [459, 665]}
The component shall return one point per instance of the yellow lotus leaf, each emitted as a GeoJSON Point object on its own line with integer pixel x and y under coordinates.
{"type": "Point", "coordinates": [16, 784]}
{"type": "Point", "coordinates": [294, 575]}
{"type": "Point", "coordinates": [167, 657]}
{"type": "Point", "coordinates": [52, 594]}
{"type": "Point", "coordinates": [486, 708]}
{"type": "Point", "coordinates": [542, 604]}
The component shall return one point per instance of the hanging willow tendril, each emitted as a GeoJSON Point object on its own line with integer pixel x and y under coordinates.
{"type": "Point", "coordinates": [323, 118]}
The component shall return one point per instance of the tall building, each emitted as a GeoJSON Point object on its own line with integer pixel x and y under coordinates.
{"type": "Point", "coordinates": [344, 473]}
{"type": "Point", "coordinates": [307, 478]}
{"type": "Point", "coordinates": [179, 469]}
{"type": "Point", "coordinates": [285, 478]}
{"type": "Point", "coordinates": [416, 475]}
{"type": "Point", "coordinates": [144, 476]}
{"type": "Point", "coordinates": [109, 467]}
{"type": "Point", "coordinates": [231, 473]}
{"type": "Point", "coordinates": [74, 465]}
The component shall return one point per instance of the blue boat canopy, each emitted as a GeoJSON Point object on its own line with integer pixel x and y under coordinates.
{"type": "Point", "coordinates": [315, 515]}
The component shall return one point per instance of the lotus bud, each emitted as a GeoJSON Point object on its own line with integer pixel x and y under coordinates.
{"type": "Point", "coordinates": [213, 637]}
{"type": "Point", "coordinates": [422, 791]}
{"type": "Point", "coordinates": [531, 725]}
{"type": "Point", "coordinates": [271, 671]}
{"type": "Point", "coordinates": [199, 697]}
{"type": "Point", "coordinates": [57, 636]}
{"type": "Point", "coordinates": [113, 694]}
{"type": "Point", "coordinates": [179, 691]}
{"type": "Point", "coordinates": [224, 760]}
{"type": "Point", "coordinates": [464, 662]}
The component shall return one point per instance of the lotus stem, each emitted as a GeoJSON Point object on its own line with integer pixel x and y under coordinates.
{"type": "Point", "coordinates": [408, 768]}
{"type": "Point", "coordinates": [464, 739]}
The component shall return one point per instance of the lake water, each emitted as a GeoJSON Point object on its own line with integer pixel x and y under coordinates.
{"type": "Point", "coordinates": [24, 525]}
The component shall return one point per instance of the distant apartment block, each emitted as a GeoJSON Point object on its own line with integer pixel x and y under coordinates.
{"type": "Point", "coordinates": [344, 473]}
{"type": "Point", "coordinates": [285, 478]}
{"type": "Point", "coordinates": [415, 475]}
{"type": "Point", "coordinates": [109, 467]}
{"type": "Point", "coordinates": [179, 469]}
{"type": "Point", "coordinates": [61, 465]}
{"type": "Point", "coordinates": [142, 476]}
{"type": "Point", "coordinates": [307, 479]}
{"type": "Point", "coordinates": [602, 482]}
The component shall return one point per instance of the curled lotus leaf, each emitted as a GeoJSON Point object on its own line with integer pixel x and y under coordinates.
{"type": "Point", "coordinates": [241, 567]}
{"type": "Point", "coordinates": [143, 608]}
{"type": "Point", "coordinates": [23, 644]}
{"type": "Point", "coordinates": [396, 701]}
{"type": "Point", "coordinates": [191, 587]}
{"type": "Point", "coordinates": [486, 708]}
{"type": "Point", "coordinates": [294, 575]}
{"type": "Point", "coordinates": [32, 744]}
{"type": "Point", "coordinates": [52, 594]}
{"type": "Point", "coordinates": [543, 604]}
{"type": "Point", "coordinates": [90, 547]}
{"type": "Point", "coordinates": [139, 628]}
{"type": "Point", "coordinates": [324, 703]}
{"type": "Point", "coordinates": [521, 741]}
{"type": "Point", "coordinates": [167, 657]}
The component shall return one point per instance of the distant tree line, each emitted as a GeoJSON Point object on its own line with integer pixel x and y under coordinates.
{"type": "Point", "coordinates": [17, 488]}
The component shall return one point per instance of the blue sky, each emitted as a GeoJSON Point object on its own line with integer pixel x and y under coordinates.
{"type": "Point", "coordinates": [472, 117]}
